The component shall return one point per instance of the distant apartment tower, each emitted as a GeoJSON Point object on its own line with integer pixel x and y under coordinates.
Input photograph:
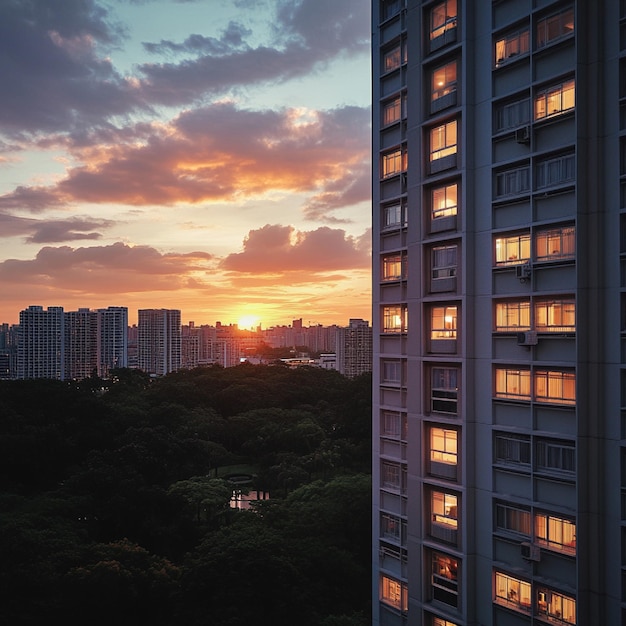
{"type": "Point", "coordinates": [159, 341]}
{"type": "Point", "coordinates": [81, 344]}
{"type": "Point", "coordinates": [354, 348]}
{"type": "Point", "coordinates": [41, 343]}
{"type": "Point", "coordinates": [112, 339]}
{"type": "Point", "coordinates": [499, 312]}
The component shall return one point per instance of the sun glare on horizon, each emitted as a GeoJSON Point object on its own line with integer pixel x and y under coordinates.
{"type": "Point", "coordinates": [248, 322]}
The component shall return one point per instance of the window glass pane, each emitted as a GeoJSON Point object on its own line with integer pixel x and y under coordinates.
{"type": "Point", "coordinates": [444, 262]}
{"type": "Point", "coordinates": [391, 111]}
{"type": "Point", "coordinates": [513, 249]}
{"type": "Point", "coordinates": [443, 81]}
{"type": "Point", "coordinates": [444, 201]}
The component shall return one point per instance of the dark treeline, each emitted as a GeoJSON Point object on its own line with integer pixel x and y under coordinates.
{"type": "Point", "coordinates": [114, 499]}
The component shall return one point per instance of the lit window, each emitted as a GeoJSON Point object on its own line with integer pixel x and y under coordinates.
{"type": "Point", "coordinates": [445, 579]}
{"type": "Point", "coordinates": [555, 100]}
{"type": "Point", "coordinates": [443, 453]}
{"type": "Point", "coordinates": [392, 111]}
{"type": "Point", "coordinates": [555, 171]}
{"type": "Point", "coordinates": [512, 315]}
{"type": "Point", "coordinates": [392, 528]}
{"type": "Point", "coordinates": [394, 319]}
{"type": "Point", "coordinates": [555, 532]}
{"type": "Point", "coordinates": [558, 243]}
{"type": "Point", "coordinates": [513, 383]}
{"type": "Point", "coordinates": [555, 386]}
{"type": "Point", "coordinates": [394, 163]}
{"type": "Point", "coordinates": [444, 509]}
{"type": "Point", "coordinates": [442, 18]}
{"type": "Point", "coordinates": [511, 46]}
{"type": "Point", "coordinates": [444, 262]}
{"type": "Point", "coordinates": [555, 316]}
{"type": "Point", "coordinates": [443, 140]}
{"type": "Point", "coordinates": [513, 114]}
{"type": "Point", "coordinates": [439, 621]}
{"type": "Point", "coordinates": [555, 27]}
{"type": "Point", "coordinates": [392, 372]}
{"type": "Point", "coordinates": [444, 201]}
{"type": "Point", "coordinates": [512, 592]}
{"type": "Point", "coordinates": [445, 390]}
{"type": "Point", "coordinates": [513, 181]}
{"type": "Point", "coordinates": [394, 593]}
{"type": "Point", "coordinates": [392, 59]}
{"type": "Point", "coordinates": [443, 81]}
{"type": "Point", "coordinates": [555, 456]}
{"type": "Point", "coordinates": [557, 607]}
{"type": "Point", "coordinates": [394, 216]}
{"type": "Point", "coordinates": [394, 267]}
{"type": "Point", "coordinates": [512, 249]}
{"type": "Point", "coordinates": [443, 322]}
{"type": "Point", "coordinates": [513, 520]}
{"type": "Point", "coordinates": [393, 424]}
{"type": "Point", "coordinates": [512, 450]}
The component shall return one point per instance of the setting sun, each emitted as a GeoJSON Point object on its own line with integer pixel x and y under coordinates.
{"type": "Point", "coordinates": [248, 322]}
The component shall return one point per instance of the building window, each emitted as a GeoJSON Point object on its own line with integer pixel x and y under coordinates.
{"type": "Point", "coordinates": [555, 244]}
{"type": "Point", "coordinates": [444, 516]}
{"type": "Point", "coordinates": [555, 386]}
{"type": "Point", "coordinates": [444, 262]}
{"type": "Point", "coordinates": [555, 27]}
{"type": "Point", "coordinates": [394, 163]}
{"type": "Point", "coordinates": [513, 181]}
{"type": "Point", "coordinates": [390, 8]}
{"type": "Point", "coordinates": [443, 18]}
{"type": "Point", "coordinates": [512, 315]}
{"type": "Point", "coordinates": [443, 452]}
{"type": "Point", "coordinates": [513, 384]}
{"type": "Point", "coordinates": [394, 319]}
{"type": "Point", "coordinates": [555, 456]}
{"type": "Point", "coordinates": [443, 81]}
{"type": "Point", "coordinates": [394, 267]}
{"type": "Point", "coordinates": [391, 476]}
{"type": "Point", "coordinates": [512, 592]}
{"type": "Point", "coordinates": [511, 519]}
{"type": "Point", "coordinates": [511, 46]}
{"type": "Point", "coordinates": [393, 425]}
{"type": "Point", "coordinates": [512, 450]}
{"type": "Point", "coordinates": [443, 140]}
{"type": "Point", "coordinates": [555, 533]}
{"type": "Point", "coordinates": [512, 249]}
{"type": "Point", "coordinates": [555, 316]}
{"type": "Point", "coordinates": [394, 110]}
{"type": "Point", "coordinates": [392, 528]}
{"type": "Point", "coordinates": [555, 100]}
{"type": "Point", "coordinates": [555, 171]}
{"type": "Point", "coordinates": [445, 584]}
{"type": "Point", "coordinates": [394, 216]}
{"type": "Point", "coordinates": [444, 201]}
{"type": "Point", "coordinates": [394, 593]}
{"type": "Point", "coordinates": [393, 59]}
{"type": "Point", "coordinates": [392, 372]}
{"type": "Point", "coordinates": [555, 606]}
{"type": "Point", "coordinates": [439, 621]}
{"type": "Point", "coordinates": [445, 390]}
{"type": "Point", "coordinates": [443, 322]}
{"type": "Point", "coordinates": [513, 114]}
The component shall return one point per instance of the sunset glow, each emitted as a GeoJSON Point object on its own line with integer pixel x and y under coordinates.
{"type": "Point", "coordinates": [175, 155]}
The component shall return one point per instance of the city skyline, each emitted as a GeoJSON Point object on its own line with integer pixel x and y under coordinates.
{"type": "Point", "coordinates": [217, 162]}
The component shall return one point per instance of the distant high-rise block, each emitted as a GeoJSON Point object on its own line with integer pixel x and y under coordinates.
{"type": "Point", "coordinates": [159, 341]}
{"type": "Point", "coordinates": [112, 339]}
{"type": "Point", "coordinates": [41, 343]}
{"type": "Point", "coordinates": [499, 312]}
{"type": "Point", "coordinates": [354, 348]}
{"type": "Point", "coordinates": [81, 344]}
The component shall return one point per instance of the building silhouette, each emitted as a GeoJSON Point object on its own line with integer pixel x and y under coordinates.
{"type": "Point", "coordinates": [499, 309]}
{"type": "Point", "coordinates": [354, 348]}
{"type": "Point", "coordinates": [159, 341]}
{"type": "Point", "coordinates": [41, 343]}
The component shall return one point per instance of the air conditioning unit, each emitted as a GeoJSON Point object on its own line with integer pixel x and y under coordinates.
{"type": "Point", "coordinates": [523, 271]}
{"type": "Point", "coordinates": [522, 135]}
{"type": "Point", "coordinates": [531, 552]}
{"type": "Point", "coordinates": [527, 338]}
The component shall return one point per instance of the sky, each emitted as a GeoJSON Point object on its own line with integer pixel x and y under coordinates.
{"type": "Point", "coordinates": [211, 156]}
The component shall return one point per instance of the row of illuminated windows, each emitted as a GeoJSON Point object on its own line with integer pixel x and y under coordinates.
{"type": "Point", "coordinates": [547, 102]}
{"type": "Point", "coordinates": [548, 29]}
{"type": "Point", "coordinates": [540, 385]}
{"type": "Point", "coordinates": [550, 455]}
{"type": "Point", "coordinates": [517, 594]}
{"type": "Point", "coordinates": [550, 530]}
{"type": "Point", "coordinates": [549, 244]}
{"type": "Point", "coordinates": [553, 315]}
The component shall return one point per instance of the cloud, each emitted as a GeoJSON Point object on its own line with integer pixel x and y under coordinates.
{"type": "Point", "coordinates": [275, 249]}
{"type": "Point", "coordinates": [51, 231]}
{"type": "Point", "coordinates": [232, 39]}
{"type": "Point", "coordinates": [221, 153]}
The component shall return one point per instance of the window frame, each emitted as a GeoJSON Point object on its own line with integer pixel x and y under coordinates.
{"type": "Point", "coordinates": [394, 319]}
{"type": "Point", "coordinates": [515, 450]}
{"type": "Point", "coordinates": [551, 603]}
{"type": "Point", "coordinates": [513, 383]}
{"type": "Point", "coordinates": [448, 268]}
{"type": "Point", "coordinates": [391, 372]}
{"type": "Point", "coordinates": [392, 528]}
{"type": "Point", "coordinates": [512, 315]}
{"type": "Point", "coordinates": [559, 386]}
{"type": "Point", "coordinates": [555, 171]}
{"type": "Point", "coordinates": [444, 322]}
{"type": "Point", "coordinates": [393, 267]}
{"type": "Point", "coordinates": [511, 46]}
{"type": "Point", "coordinates": [446, 22]}
{"type": "Point", "coordinates": [444, 389]}
{"type": "Point", "coordinates": [394, 593]}
{"type": "Point", "coordinates": [555, 532]}
{"type": "Point", "coordinates": [512, 182]}
{"type": "Point", "coordinates": [444, 201]}
{"type": "Point", "coordinates": [449, 80]}
{"type": "Point", "coordinates": [393, 163]}
{"type": "Point", "coordinates": [445, 136]}
{"type": "Point", "coordinates": [448, 452]}
{"type": "Point", "coordinates": [554, 100]}
{"type": "Point", "coordinates": [552, 309]}
{"type": "Point", "coordinates": [515, 594]}
{"type": "Point", "coordinates": [555, 456]}
{"type": "Point", "coordinates": [444, 579]}
{"type": "Point", "coordinates": [512, 114]}
{"type": "Point", "coordinates": [397, 211]}
{"type": "Point", "coordinates": [543, 37]}
{"type": "Point", "coordinates": [510, 518]}
{"type": "Point", "coordinates": [558, 243]}
{"type": "Point", "coordinates": [512, 249]}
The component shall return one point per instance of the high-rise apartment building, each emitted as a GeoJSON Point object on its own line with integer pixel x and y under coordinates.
{"type": "Point", "coordinates": [41, 343]}
{"type": "Point", "coordinates": [81, 343]}
{"type": "Point", "coordinates": [499, 274]}
{"type": "Point", "coordinates": [159, 341]}
{"type": "Point", "coordinates": [354, 348]}
{"type": "Point", "coordinates": [112, 339]}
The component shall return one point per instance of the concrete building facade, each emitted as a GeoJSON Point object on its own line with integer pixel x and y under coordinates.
{"type": "Point", "coordinates": [159, 341]}
{"type": "Point", "coordinates": [499, 312]}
